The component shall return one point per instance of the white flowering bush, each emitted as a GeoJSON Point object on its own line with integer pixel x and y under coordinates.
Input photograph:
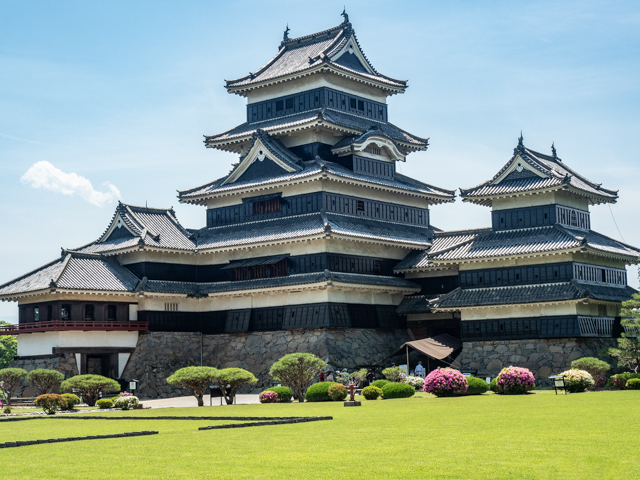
{"type": "Point", "coordinates": [577, 380]}
{"type": "Point", "coordinates": [415, 382]}
{"type": "Point", "coordinates": [125, 403]}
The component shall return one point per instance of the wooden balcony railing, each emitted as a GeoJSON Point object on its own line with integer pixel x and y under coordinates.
{"type": "Point", "coordinates": [65, 325]}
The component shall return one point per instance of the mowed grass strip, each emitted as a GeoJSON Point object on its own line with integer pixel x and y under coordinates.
{"type": "Point", "coordinates": [542, 436]}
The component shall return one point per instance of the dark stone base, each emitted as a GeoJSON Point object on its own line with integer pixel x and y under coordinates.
{"type": "Point", "coordinates": [62, 362]}
{"type": "Point", "coordinates": [543, 357]}
{"type": "Point", "coordinates": [352, 404]}
{"type": "Point", "coordinates": [159, 354]}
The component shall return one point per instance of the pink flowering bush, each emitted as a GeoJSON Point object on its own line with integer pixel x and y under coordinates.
{"type": "Point", "coordinates": [445, 382]}
{"type": "Point", "coordinates": [268, 396]}
{"type": "Point", "coordinates": [515, 381]}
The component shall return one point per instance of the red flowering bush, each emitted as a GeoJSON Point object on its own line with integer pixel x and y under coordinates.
{"type": "Point", "coordinates": [445, 382]}
{"type": "Point", "coordinates": [515, 381]}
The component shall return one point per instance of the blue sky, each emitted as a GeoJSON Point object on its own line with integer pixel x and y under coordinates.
{"type": "Point", "coordinates": [120, 94]}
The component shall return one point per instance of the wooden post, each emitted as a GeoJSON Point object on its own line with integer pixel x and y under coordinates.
{"type": "Point", "coordinates": [408, 370]}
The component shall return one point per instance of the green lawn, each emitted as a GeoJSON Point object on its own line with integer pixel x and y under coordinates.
{"type": "Point", "coordinates": [580, 436]}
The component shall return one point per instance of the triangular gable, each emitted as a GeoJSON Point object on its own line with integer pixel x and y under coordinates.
{"type": "Point", "coordinates": [518, 168]}
{"type": "Point", "coordinates": [119, 228]}
{"type": "Point", "coordinates": [267, 163]}
{"type": "Point", "coordinates": [351, 56]}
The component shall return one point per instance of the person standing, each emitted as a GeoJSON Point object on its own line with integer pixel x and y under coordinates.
{"type": "Point", "coordinates": [419, 370]}
{"type": "Point", "coordinates": [371, 376]}
{"type": "Point", "coordinates": [321, 375]}
{"type": "Point", "coordinates": [330, 376]}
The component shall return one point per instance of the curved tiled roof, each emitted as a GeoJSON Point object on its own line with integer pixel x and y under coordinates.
{"type": "Point", "coordinates": [554, 174]}
{"type": "Point", "coordinates": [525, 294]}
{"type": "Point", "coordinates": [316, 167]}
{"type": "Point", "coordinates": [74, 271]}
{"type": "Point", "coordinates": [192, 288]}
{"type": "Point", "coordinates": [313, 118]}
{"type": "Point", "coordinates": [308, 53]}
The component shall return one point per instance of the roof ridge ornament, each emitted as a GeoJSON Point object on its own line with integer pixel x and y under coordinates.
{"type": "Point", "coordinates": [554, 154]}
{"type": "Point", "coordinates": [345, 15]}
{"type": "Point", "coordinates": [285, 37]}
{"type": "Point", "coordinates": [520, 147]}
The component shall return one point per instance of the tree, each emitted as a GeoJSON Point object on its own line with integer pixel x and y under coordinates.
{"type": "Point", "coordinates": [230, 381]}
{"type": "Point", "coordinates": [8, 347]}
{"type": "Point", "coordinates": [392, 374]}
{"type": "Point", "coordinates": [628, 351]}
{"type": "Point", "coordinates": [44, 380]}
{"type": "Point", "coordinates": [297, 371]}
{"type": "Point", "coordinates": [10, 379]}
{"type": "Point", "coordinates": [90, 387]}
{"type": "Point", "coordinates": [195, 379]}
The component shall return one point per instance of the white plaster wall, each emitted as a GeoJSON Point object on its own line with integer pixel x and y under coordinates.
{"type": "Point", "coordinates": [42, 343]}
{"type": "Point", "coordinates": [560, 197]}
{"type": "Point", "coordinates": [519, 311]}
{"type": "Point", "coordinates": [316, 81]}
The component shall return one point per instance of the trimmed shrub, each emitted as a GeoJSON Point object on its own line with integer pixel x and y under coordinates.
{"type": "Point", "coordinates": [231, 379]}
{"type": "Point", "coordinates": [515, 381]}
{"type": "Point", "coordinates": [577, 381]}
{"type": "Point", "coordinates": [268, 396]}
{"type": "Point", "coordinates": [477, 386]}
{"type": "Point", "coordinates": [337, 392]}
{"type": "Point", "coordinates": [104, 403]}
{"type": "Point", "coordinates": [284, 393]}
{"type": "Point", "coordinates": [445, 382]}
{"type": "Point", "coordinates": [371, 392]}
{"type": "Point", "coordinates": [90, 386]}
{"type": "Point", "coordinates": [319, 392]}
{"type": "Point", "coordinates": [397, 390]}
{"type": "Point", "coordinates": [44, 380]}
{"type": "Point", "coordinates": [597, 368]}
{"type": "Point", "coordinates": [633, 383]}
{"type": "Point", "coordinates": [195, 379]}
{"type": "Point", "coordinates": [494, 387]}
{"type": "Point", "coordinates": [297, 371]}
{"type": "Point", "coordinates": [70, 401]}
{"type": "Point", "coordinates": [392, 374]}
{"type": "Point", "coordinates": [9, 381]}
{"type": "Point", "coordinates": [415, 382]}
{"type": "Point", "coordinates": [50, 403]}
{"type": "Point", "coordinates": [125, 403]}
{"type": "Point", "coordinates": [380, 383]}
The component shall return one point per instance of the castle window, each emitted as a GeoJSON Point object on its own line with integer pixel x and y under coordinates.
{"type": "Point", "coordinates": [352, 103]}
{"type": "Point", "coordinates": [279, 105]}
{"type": "Point", "coordinates": [360, 206]}
{"type": "Point", "coordinates": [111, 312]}
{"type": "Point", "coordinates": [89, 312]}
{"type": "Point", "coordinates": [361, 105]}
{"type": "Point", "coordinates": [36, 314]}
{"type": "Point", "coordinates": [377, 266]}
{"type": "Point", "coordinates": [49, 312]}
{"type": "Point", "coordinates": [289, 103]}
{"type": "Point", "coordinates": [65, 312]}
{"type": "Point", "coordinates": [170, 307]}
{"type": "Point", "coordinates": [271, 205]}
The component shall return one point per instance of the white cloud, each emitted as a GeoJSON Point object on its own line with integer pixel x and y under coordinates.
{"type": "Point", "coordinates": [44, 175]}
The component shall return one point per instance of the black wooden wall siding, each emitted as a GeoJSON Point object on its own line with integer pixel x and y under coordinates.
{"type": "Point", "coordinates": [523, 217]}
{"type": "Point", "coordinates": [314, 99]}
{"type": "Point", "coordinates": [437, 285]}
{"type": "Point", "coordinates": [276, 318]}
{"type": "Point", "coordinates": [49, 311]}
{"type": "Point", "coordinates": [538, 327]}
{"type": "Point", "coordinates": [533, 274]}
{"type": "Point", "coordinates": [315, 202]}
{"type": "Point", "coordinates": [374, 168]}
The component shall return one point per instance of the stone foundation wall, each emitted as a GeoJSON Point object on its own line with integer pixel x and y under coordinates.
{"type": "Point", "coordinates": [543, 357]}
{"type": "Point", "coordinates": [159, 354]}
{"type": "Point", "coordinates": [64, 362]}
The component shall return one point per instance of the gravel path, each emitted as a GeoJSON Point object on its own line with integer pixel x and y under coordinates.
{"type": "Point", "coordinates": [192, 402]}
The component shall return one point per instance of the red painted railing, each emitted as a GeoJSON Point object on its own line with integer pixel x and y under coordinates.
{"type": "Point", "coordinates": [62, 325]}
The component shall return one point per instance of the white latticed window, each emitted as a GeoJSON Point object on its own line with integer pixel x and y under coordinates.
{"type": "Point", "coordinates": [171, 307]}
{"type": "Point", "coordinates": [595, 326]}
{"type": "Point", "coordinates": [372, 149]}
{"type": "Point", "coordinates": [599, 275]}
{"type": "Point", "coordinates": [572, 217]}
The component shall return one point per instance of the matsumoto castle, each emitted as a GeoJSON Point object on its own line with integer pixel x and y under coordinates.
{"type": "Point", "coordinates": [314, 242]}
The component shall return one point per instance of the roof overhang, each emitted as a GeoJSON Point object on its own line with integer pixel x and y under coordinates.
{"type": "Point", "coordinates": [487, 200]}
{"type": "Point", "coordinates": [324, 68]}
{"type": "Point", "coordinates": [380, 141]}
